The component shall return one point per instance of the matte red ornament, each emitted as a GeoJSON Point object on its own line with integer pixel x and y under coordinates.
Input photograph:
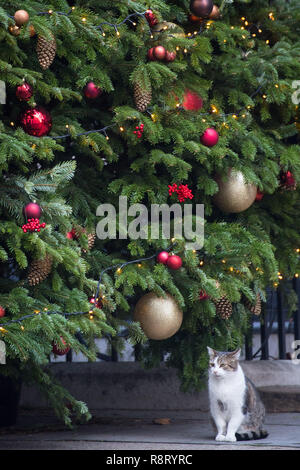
{"type": "Point", "coordinates": [203, 295]}
{"type": "Point", "coordinates": [24, 92]}
{"type": "Point", "coordinates": [210, 137]}
{"type": "Point", "coordinates": [201, 8]}
{"type": "Point", "coordinates": [162, 257]}
{"type": "Point", "coordinates": [170, 56]}
{"type": "Point", "coordinates": [91, 91]}
{"type": "Point", "coordinates": [174, 262]}
{"type": "Point", "coordinates": [192, 101]}
{"type": "Point", "coordinates": [2, 311]}
{"type": "Point", "coordinates": [32, 211]}
{"type": "Point", "coordinates": [56, 349]}
{"type": "Point", "coordinates": [150, 54]}
{"type": "Point", "coordinates": [36, 121]}
{"type": "Point", "coordinates": [159, 52]}
{"type": "Point", "coordinates": [259, 195]}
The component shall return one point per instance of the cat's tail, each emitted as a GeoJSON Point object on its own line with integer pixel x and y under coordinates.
{"type": "Point", "coordinates": [251, 435]}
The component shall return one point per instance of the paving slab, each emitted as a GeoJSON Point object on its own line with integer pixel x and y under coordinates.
{"type": "Point", "coordinates": [129, 430]}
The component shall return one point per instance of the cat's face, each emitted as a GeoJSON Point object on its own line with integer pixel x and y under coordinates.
{"type": "Point", "coordinates": [222, 364]}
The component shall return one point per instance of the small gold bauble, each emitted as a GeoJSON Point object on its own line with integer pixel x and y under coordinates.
{"type": "Point", "coordinates": [160, 317]}
{"type": "Point", "coordinates": [171, 29]}
{"type": "Point", "coordinates": [21, 17]}
{"type": "Point", "coordinates": [14, 30]}
{"type": "Point", "coordinates": [234, 194]}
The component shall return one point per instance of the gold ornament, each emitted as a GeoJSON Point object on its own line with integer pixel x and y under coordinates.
{"type": "Point", "coordinates": [21, 17]}
{"type": "Point", "coordinates": [14, 30]}
{"type": "Point", "coordinates": [171, 29]}
{"type": "Point", "coordinates": [234, 194]}
{"type": "Point", "coordinates": [160, 317]}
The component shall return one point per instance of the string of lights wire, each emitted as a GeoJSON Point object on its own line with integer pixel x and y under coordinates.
{"type": "Point", "coordinates": [118, 267]}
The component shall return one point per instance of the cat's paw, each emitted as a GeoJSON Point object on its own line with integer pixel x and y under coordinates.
{"type": "Point", "coordinates": [220, 437]}
{"type": "Point", "coordinates": [230, 438]}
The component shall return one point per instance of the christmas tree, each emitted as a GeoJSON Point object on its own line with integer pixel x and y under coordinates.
{"type": "Point", "coordinates": [186, 102]}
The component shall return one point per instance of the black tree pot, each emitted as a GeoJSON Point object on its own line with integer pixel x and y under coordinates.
{"type": "Point", "coordinates": [10, 391]}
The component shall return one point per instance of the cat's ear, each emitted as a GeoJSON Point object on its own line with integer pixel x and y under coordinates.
{"type": "Point", "coordinates": [211, 352]}
{"type": "Point", "coordinates": [236, 354]}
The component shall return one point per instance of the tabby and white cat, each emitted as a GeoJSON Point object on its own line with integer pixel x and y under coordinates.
{"type": "Point", "coordinates": [235, 405]}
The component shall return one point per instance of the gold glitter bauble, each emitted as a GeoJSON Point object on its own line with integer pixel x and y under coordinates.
{"type": "Point", "coordinates": [234, 194]}
{"type": "Point", "coordinates": [171, 30]}
{"type": "Point", "coordinates": [160, 317]}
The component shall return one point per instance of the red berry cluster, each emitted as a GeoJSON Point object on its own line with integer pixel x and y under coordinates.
{"type": "Point", "coordinates": [139, 131]}
{"type": "Point", "coordinates": [96, 302]}
{"type": "Point", "coordinates": [151, 18]}
{"type": "Point", "coordinates": [183, 192]}
{"type": "Point", "coordinates": [288, 181]}
{"type": "Point", "coordinates": [33, 225]}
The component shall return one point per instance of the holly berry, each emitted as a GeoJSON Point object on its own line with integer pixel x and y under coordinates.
{"type": "Point", "coordinates": [33, 225]}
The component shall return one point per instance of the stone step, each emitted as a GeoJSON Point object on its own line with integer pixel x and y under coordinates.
{"type": "Point", "coordinates": [281, 399]}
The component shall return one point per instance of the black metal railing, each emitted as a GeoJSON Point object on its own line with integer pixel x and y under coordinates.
{"type": "Point", "coordinates": [274, 324]}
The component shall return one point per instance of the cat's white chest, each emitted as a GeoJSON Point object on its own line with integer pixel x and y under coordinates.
{"type": "Point", "coordinates": [227, 395]}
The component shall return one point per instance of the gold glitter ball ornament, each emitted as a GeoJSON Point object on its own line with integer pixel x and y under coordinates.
{"type": "Point", "coordinates": [160, 317]}
{"type": "Point", "coordinates": [235, 195]}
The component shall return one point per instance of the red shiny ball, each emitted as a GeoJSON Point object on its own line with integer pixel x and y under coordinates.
{"type": "Point", "coordinates": [70, 235]}
{"type": "Point", "coordinates": [24, 92]}
{"type": "Point", "coordinates": [159, 52]}
{"type": "Point", "coordinates": [174, 262]}
{"type": "Point", "coordinates": [192, 101]}
{"type": "Point", "coordinates": [32, 210]}
{"type": "Point", "coordinates": [201, 8]}
{"type": "Point", "coordinates": [36, 121]}
{"type": "Point", "coordinates": [170, 56]}
{"type": "Point", "coordinates": [210, 137]}
{"type": "Point", "coordinates": [92, 91]}
{"type": "Point", "coordinates": [56, 349]}
{"type": "Point", "coordinates": [2, 311]}
{"type": "Point", "coordinates": [162, 257]}
{"type": "Point", "coordinates": [150, 54]}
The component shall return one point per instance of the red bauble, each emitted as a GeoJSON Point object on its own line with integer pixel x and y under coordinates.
{"type": "Point", "coordinates": [151, 18]}
{"type": "Point", "coordinates": [32, 211]}
{"type": "Point", "coordinates": [150, 54]}
{"type": "Point", "coordinates": [210, 137]}
{"type": "Point", "coordinates": [56, 349]}
{"type": "Point", "coordinates": [91, 91]}
{"type": "Point", "coordinates": [201, 8]}
{"type": "Point", "coordinates": [170, 56]}
{"type": "Point", "coordinates": [36, 121]}
{"type": "Point", "coordinates": [70, 235]}
{"type": "Point", "coordinates": [259, 195]}
{"type": "Point", "coordinates": [162, 257]}
{"type": "Point", "coordinates": [24, 92]}
{"type": "Point", "coordinates": [192, 101]}
{"type": "Point", "coordinates": [174, 262]}
{"type": "Point", "coordinates": [2, 311]}
{"type": "Point", "coordinates": [159, 52]}
{"type": "Point", "coordinates": [203, 295]}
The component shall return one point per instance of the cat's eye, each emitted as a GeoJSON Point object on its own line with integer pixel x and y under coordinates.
{"type": "Point", "coordinates": [212, 364]}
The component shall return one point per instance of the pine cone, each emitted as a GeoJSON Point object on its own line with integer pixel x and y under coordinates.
{"type": "Point", "coordinates": [46, 51]}
{"type": "Point", "coordinates": [256, 308]}
{"type": "Point", "coordinates": [142, 97]}
{"type": "Point", "coordinates": [39, 270]}
{"type": "Point", "coordinates": [91, 241]}
{"type": "Point", "coordinates": [223, 308]}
